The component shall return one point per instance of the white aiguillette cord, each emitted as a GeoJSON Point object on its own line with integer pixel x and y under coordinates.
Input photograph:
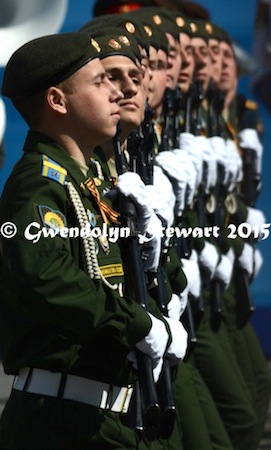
{"type": "Point", "coordinates": [92, 265]}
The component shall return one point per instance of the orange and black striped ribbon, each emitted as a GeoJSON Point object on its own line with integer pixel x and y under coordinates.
{"type": "Point", "coordinates": [107, 213]}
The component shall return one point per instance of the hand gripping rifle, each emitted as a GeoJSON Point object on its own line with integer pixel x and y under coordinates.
{"type": "Point", "coordinates": [140, 146]}
{"type": "Point", "coordinates": [148, 409]}
{"type": "Point", "coordinates": [169, 141]}
{"type": "Point", "coordinates": [244, 303]}
{"type": "Point", "coordinates": [251, 181]}
{"type": "Point", "coordinates": [192, 125]}
{"type": "Point", "coordinates": [215, 101]}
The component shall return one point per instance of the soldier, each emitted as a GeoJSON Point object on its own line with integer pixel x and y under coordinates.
{"type": "Point", "coordinates": [243, 125]}
{"type": "Point", "coordinates": [194, 403]}
{"type": "Point", "coordinates": [66, 327]}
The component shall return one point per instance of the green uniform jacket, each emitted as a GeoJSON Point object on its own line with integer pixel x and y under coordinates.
{"type": "Point", "coordinates": [52, 314]}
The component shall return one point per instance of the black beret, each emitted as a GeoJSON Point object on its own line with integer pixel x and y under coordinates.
{"type": "Point", "coordinates": [46, 61]}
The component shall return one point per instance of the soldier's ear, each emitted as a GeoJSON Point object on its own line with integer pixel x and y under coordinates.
{"type": "Point", "coordinates": [56, 99]}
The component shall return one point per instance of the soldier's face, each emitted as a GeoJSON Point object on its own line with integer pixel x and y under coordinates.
{"type": "Point", "coordinates": [92, 110]}
{"type": "Point", "coordinates": [216, 58]}
{"type": "Point", "coordinates": [203, 67]}
{"type": "Point", "coordinates": [158, 82]}
{"type": "Point", "coordinates": [174, 62]}
{"type": "Point", "coordinates": [228, 77]}
{"type": "Point", "coordinates": [128, 78]}
{"type": "Point", "coordinates": [188, 63]}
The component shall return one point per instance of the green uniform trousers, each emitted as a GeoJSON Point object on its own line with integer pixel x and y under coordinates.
{"type": "Point", "coordinates": [198, 423]}
{"type": "Point", "coordinates": [218, 366]}
{"type": "Point", "coordinates": [251, 359]}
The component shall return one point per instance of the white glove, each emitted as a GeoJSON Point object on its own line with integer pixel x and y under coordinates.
{"type": "Point", "coordinates": [177, 305]}
{"type": "Point", "coordinates": [192, 273]}
{"type": "Point", "coordinates": [218, 145]}
{"type": "Point", "coordinates": [209, 257]}
{"type": "Point", "coordinates": [164, 187]}
{"type": "Point", "coordinates": [246, 259]}
{"type": "Point", "coordinates": [151, 242]}
{"type": "Point", "coordinates": [209, 163]}
{"type": "Point", "coordinates": [168, 162]}
{"type": "Point", "coordinates": [188, 143]}
{"type": "Point", "coordinates": [224, 269]}
{"type": "Point", "coordinates": [154, 344]}
{"type": "Point", "coordinates": [255, 217]}
{"type": "Point", "coordinates": [249, 139]}
{"type": "Point", "coordinates": [131, 185]}
{"type": "Point", "coordinates": [177, 349]}
{"type": "Point", "coordinates": [258, 262]}
{"type": "Point", "coordinates": [160, 206]}
{"type": "Point", "coordinates": [185, 161]}
{"type": "Point", "coordinates": [235, 164]}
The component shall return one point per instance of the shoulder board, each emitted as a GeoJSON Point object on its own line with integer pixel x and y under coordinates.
{"type": "Point", "coordinates": [51, 169]}
{"type": "Point", "coordinates": [251, 105]}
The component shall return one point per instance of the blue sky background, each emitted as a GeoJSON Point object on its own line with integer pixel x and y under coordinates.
{"type": "Point", "coordinates": [237, 17]}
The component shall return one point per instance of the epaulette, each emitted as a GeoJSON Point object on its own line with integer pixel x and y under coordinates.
{"type": "Point", "coordinates": [51, 169]}
{"type": "Point", "coordinates": [250, 104]}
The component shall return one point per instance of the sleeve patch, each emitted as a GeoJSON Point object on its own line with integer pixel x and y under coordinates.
{"type": "Point", "coordinates": [51, 169]}
{"type": "Point", "coordinates": [52, 219]}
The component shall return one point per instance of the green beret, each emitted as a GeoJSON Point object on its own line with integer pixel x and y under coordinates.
{"type": "Point", "coordinates": [155, 33]}
{"type": "Point", "coordinates": [46, 61]}
{"type": "Point", "coordinates": [115, 41]}
{"type": "Point", "coordinates": [132, 26]}
{"type": "Point", "coordinates": [162, 18]}
{"type": "Point", "coordinates": [198, 29]}
{"type": "Point", "coordinates": [222, 36]}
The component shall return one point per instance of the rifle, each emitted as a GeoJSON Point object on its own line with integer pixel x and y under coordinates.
{"type": "Point", "coordinates": [244, 304]}
{"type": "Point", "coordinates": [140, 155]}
{"type": "Point", "coordinates": [170, 140]}
{"type": "Point", "coordinates": [193, 102]}
{"type": "Point", "coordinates": [167, 137]}
{"type": "Point", "coordinates": [215, 100]}
{"type": "Point", "coordinates": [192, 125]}
{"type": "Point", "coordinates": [251, 181]}
{"type": "Point", "coordinates": [147, 405]}
{"type": "Point", "coordinates": [140, 146]}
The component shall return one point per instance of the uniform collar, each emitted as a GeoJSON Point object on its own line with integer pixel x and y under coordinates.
{"type": "Point", "coordinates": [37, 142]}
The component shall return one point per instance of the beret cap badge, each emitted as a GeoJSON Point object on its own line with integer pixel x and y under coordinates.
{"type": "Point", "coordinates": [209, 28]}
{"type": "Point", "coordinates": [114, 44]}
{"type": "Point", "coordinates": [130, 27]}
{"type": "Point", "coordinates": [124, 40]}
{"type": "Point", "coordinates": [180, 21]}
{"type": "Point", "coordinates": [96, 45]}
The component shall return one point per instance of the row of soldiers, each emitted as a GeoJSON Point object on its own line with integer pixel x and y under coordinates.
{"type": "Point", "coordinates": [169, 304]}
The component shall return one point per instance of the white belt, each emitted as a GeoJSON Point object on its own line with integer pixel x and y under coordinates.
{"type": "Point", "coordinates": [84, 390]}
